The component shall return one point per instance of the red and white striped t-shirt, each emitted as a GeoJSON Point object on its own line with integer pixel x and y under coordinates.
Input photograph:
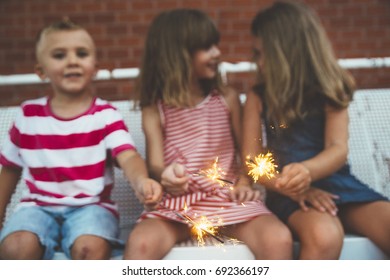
{"type": "Point", "coordinates": [195, 137]}
{"type": "Point", "coordinates": [67, 162]}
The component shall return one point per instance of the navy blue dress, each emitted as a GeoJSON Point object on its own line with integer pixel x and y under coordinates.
{"type": "Point", "coordinates": [303, 140]}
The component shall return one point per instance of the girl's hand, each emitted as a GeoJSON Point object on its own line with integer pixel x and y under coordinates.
{"type": "Point", "coordinates": [294, 179]}
{"type": "Point", "coordinates": [149, 193]}
{"type": "Point", "coordinates": [174, 179]}
{"type": "Point", "coordinates": [321, 200]}
{"type": "Point", "coordinates": [243, 192]}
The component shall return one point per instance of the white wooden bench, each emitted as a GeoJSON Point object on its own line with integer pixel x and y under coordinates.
{"type": "Point", "coordinates": [369, 158]}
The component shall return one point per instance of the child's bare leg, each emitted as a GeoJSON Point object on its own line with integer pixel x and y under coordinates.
{"type": "Point", "coordinates": [371, 220]}
{"type": "Point", "coordinates": [266, 236]}
{"type": "Point", "coordinates": [320, 234]}
{"type": "Point", "coordinates": [21, 245]}
{"type": "Point", "coordinates": [153, 238]}
{"type": "Point", "coordinates": [91, 247]}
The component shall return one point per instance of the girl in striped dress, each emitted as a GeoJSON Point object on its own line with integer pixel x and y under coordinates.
{"type": "Point", "coordinates": [190, 124]}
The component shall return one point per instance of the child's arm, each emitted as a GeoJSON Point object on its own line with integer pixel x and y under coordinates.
{"type": "Point", "coordinates": [148, 191]}
{"type": "Point", "coordinates": [252, 135]}
{"type": "Point", "coordinates": [151, 126]}
{"type": "Point", "coordinates": [335, 152]}
{"type": "Point", "coordinates": [9, 178]}
{"type": "Point", "coordinates": [331, 159]}
{"type": "Point", "coordinates": [232, 99]}
{"type": "Point", "coordinates": [242, 190]}
{"type": "Point", "coordinates": [251, 126]}
{"type": "Point", "coordinates": [252, 143]}
{"type": "Point", "coordinates": [300, 192]}
{"type": "Point", "coordinates": [174, 177]}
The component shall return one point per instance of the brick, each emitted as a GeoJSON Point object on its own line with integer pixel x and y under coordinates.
{"type": "Point", "coordinates": [357, 28]}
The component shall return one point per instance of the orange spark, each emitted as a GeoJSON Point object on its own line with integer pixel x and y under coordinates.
{"type": "Point", "coordinates": [261, 165]}
{"type": "Point", "coordinates": [215, 173]}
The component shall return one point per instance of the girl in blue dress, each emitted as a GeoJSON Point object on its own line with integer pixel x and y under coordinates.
{"type": "Point", "coordinates": [301, 101]}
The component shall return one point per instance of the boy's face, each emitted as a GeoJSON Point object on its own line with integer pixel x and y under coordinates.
{"type": "Point", "coordinates": [68, 59]}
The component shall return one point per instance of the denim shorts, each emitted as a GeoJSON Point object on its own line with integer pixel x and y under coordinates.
{"type": "Point", "coordinates": [58, 227]}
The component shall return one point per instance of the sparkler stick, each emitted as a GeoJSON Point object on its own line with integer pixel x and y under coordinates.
{"type": "Point", "coordinates": [221, 181]}
{"type": "Point", "coordinates": [214, 173]}
{"type": "Point", "coordinates": [196, 225]}
{"type": "Point", "coordinates": [261, 165]}
{"type": "Point", "coordinates": [199, 227]}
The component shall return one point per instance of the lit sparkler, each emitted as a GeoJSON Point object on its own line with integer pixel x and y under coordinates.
{"type": "Point", "coordinates": [215, 173]}
{"type": "Point", "coordinates": [261, 165]}
{"type": "Point", "coordinates": [204, 227]}
{"type": "Point", "coordinates": [199, 228]}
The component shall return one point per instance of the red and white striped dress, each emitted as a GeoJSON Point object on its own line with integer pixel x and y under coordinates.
{"type": "Point", "coordinates": [194, 137]}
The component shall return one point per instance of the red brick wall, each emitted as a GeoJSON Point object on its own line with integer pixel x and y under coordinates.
{"type": "Point", "coordinates": [357, 28]}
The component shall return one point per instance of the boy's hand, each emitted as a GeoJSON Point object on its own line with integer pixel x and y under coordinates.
{"type": "Point", "coordinates": [174, 179]}
{"type": "Point", "coordinates": [149, 193]}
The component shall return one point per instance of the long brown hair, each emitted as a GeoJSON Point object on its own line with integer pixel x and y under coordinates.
{"type": "Point", "coordinates": [299, 62]}
{"type": "Point", "coordinates": [166, 70]}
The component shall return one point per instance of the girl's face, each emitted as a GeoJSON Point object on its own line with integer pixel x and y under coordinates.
{"type": "Point", "coordinates": [68, 60]}
{"type": "Point", "coordinates": [258, 54]}
{"type": "Point", "coordinates": [205, 62]}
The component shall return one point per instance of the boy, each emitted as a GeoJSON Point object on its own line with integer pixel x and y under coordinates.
{"type": "Point", "coordinates": [66, 144]}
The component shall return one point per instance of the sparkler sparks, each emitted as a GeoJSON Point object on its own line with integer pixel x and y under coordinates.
{"type": "Point", "coordinates": [261, 165]}
{"type": "Point", "coordinates": [199, 228]}
{"type": "Point", "coordinates": [204, 227]}
{"type": "Point", "coordinates": [215, 173]}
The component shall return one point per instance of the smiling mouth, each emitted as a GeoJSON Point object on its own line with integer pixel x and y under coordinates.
{"type": "Point", "coordinates": [72, 75]}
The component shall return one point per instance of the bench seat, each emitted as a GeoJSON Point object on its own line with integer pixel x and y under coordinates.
{"type": "Point", "coordinates": [369, 158]}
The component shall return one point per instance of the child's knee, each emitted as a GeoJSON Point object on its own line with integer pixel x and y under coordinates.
{"type": "Point", "coordinates": [325, 238]}
{"type": "Point", "coordinates": [280, 237]}
{"type": "Point", "coordinates": [284, 236]}
{"type": "Point", "coordinates": [91, 248]}
{"type": "Point", "coordinates": [279, 233]}
{"type": "Point", "coordinates": [142, 243]}
{"type": "Point", "coordinates": [21, 245]}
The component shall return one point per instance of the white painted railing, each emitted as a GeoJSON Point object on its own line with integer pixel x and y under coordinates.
{"type": "Point", "coordinates": [224, 67]}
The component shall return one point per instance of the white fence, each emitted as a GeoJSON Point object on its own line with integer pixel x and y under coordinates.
{"type": "Point", "coordinates": [224, 67]}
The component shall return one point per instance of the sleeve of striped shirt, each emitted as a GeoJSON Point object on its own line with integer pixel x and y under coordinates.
{"type": "Point", "coordinates": [118, 138]}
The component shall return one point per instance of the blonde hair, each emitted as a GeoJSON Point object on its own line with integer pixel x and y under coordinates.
{"type": "Point", "coordinates": [299, 63]}
{"type": "Point", "coordinates": [166, 70]}
{"type": "Point", "coordinates": [63, 25]}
